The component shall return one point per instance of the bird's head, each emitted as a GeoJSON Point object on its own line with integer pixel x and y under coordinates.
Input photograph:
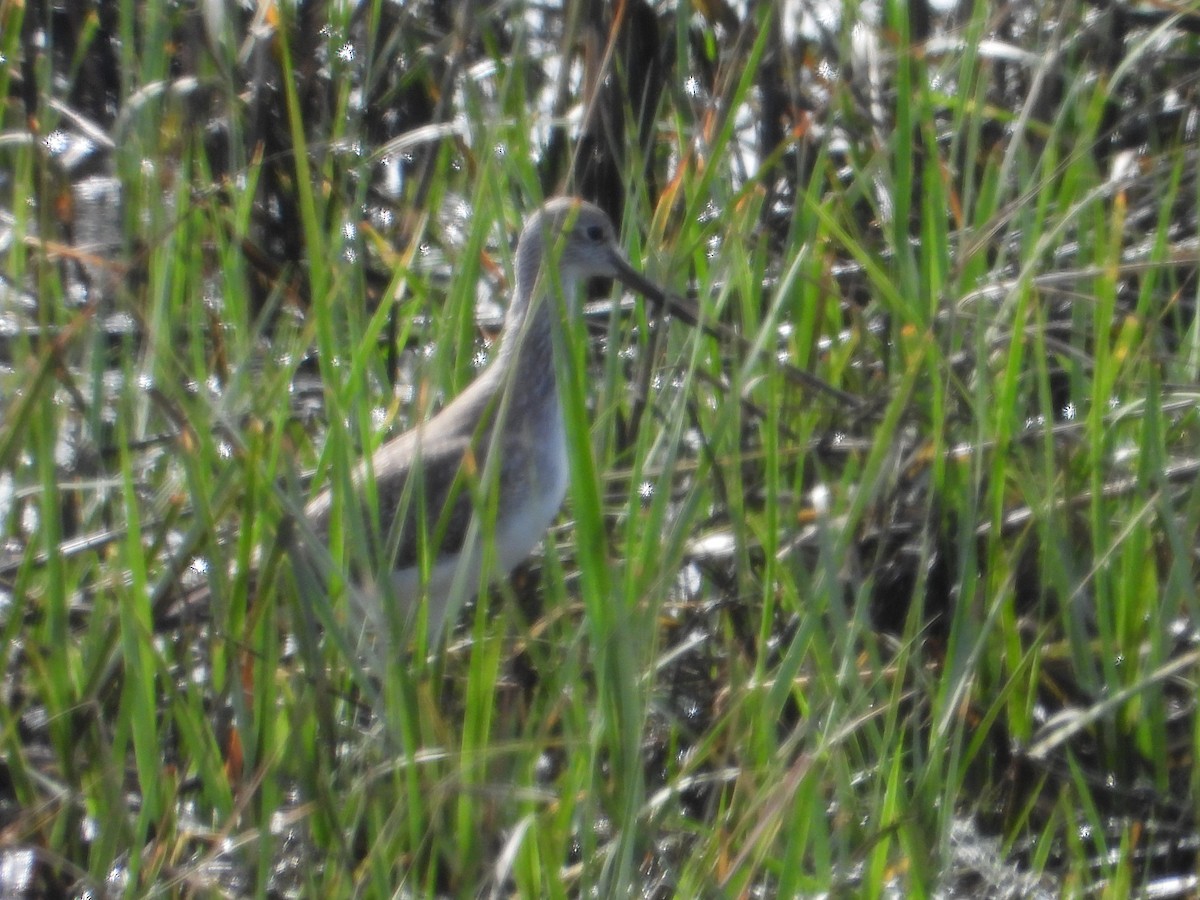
{"type": "Point", "coordinates": [581, 237]}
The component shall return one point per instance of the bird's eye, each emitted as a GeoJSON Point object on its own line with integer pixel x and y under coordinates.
{"type": "Point", "coordinates": [595, 233]}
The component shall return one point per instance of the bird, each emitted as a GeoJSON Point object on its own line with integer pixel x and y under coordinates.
{"type": "Point", "coordinates": [492, 465]}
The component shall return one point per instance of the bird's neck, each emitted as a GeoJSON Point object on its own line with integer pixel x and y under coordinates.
{"type": "Point", "coordinates": [527, 346]}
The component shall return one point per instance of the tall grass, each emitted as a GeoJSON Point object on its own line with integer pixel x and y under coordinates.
{"type": "Point", "coordinates": [776, 645]}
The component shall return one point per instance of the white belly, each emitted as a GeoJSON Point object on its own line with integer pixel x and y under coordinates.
{"type": "Point", "coordinates": [521, 524]}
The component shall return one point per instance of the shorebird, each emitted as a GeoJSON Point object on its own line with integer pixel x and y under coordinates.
{"type": "Point", "coordinates": [488, 472]}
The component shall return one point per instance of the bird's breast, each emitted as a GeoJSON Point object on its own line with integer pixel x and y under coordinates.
{"type": "Point", "coordinates": [543, 485]}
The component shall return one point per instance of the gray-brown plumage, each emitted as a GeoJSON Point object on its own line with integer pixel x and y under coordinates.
{"type": "Point", "coordinates": [504, 433]}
